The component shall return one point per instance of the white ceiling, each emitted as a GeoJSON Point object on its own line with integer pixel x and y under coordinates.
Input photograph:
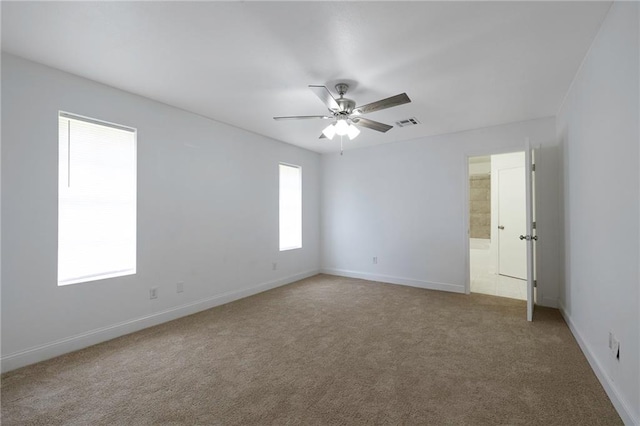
{"type": "Point", "coordinates": [465, 65]}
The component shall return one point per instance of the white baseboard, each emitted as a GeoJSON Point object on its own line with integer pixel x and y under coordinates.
{"type": "Point", "coordinates": [622, 406]}
{"type": "Point", "coordinates": [92, 337]}
{"type": "Point", "coordinates": [429, 285]}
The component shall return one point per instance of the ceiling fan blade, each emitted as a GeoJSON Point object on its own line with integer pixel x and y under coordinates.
{"type": "Point", "coordinates": [325, 96]}
{"type": "Point", "coordinates": [370, 124]}
{"type": "Point", "coordinates": [383, 104]}
{"type": "Point", "coordinates": [322, 136]}
{"type": "Point", "coordinates": [303, 117]}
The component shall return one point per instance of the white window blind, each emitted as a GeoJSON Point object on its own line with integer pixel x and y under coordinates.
{"type": "Point", "coordinates": [96, 200]}
{"type": "Point", "coordinates": [290, 207]}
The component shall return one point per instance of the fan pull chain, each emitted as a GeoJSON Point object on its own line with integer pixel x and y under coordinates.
{"type": "Point", "coordinates": [341, 149]}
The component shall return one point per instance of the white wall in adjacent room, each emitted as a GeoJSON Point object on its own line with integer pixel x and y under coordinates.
{"type": "Point", "coordinates": [207, 215]}
{"type": "Point", "coordinates": [598, 127]}
{"type": "Point", "coordinates": [405, 203]}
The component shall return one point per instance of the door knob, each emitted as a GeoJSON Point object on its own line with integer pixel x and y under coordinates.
{"type": "Point", "coordinates": [500, 227]}
{"type": "Point", "coordinates": [525, 237]}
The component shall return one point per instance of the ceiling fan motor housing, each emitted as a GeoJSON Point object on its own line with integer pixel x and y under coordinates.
{"type": "Point", "coordinates": [346, 106]}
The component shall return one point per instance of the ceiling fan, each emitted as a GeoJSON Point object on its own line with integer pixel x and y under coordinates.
{"type": "Point", "coordinates": [346, 114]}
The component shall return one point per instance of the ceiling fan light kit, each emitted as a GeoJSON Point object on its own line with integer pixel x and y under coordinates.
{"type": "Point", "coordinates": [341, 128]}
{"type": "Point", "coordinates": [347, 116]}
{"type": "Point", "coordinates": [352, 132]}
{"type": "Point", "coordinates": [329, 131]}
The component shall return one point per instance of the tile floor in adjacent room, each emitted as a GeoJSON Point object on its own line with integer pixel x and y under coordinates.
{"type": "Point", "coordinates": [484, 278]}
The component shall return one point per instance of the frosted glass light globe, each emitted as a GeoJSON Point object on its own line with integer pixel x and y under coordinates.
{"type": "Point", "coordinates": [329, 131]}
{"type": "Point", "coordinates": [342, 127]}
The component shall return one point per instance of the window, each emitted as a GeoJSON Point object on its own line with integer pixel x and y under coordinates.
{"type": "Point", "coordinates": [290, 207]}
{"type": "Point", "coordinates": [96, 200]}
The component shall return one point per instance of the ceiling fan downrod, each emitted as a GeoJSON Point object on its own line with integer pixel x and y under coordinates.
{"type": "Point", "coordinates": [345, 105]}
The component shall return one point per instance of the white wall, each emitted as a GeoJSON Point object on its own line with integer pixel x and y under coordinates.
{"type": "Point", "coordinates": [406, 204]}
{"type": "Point", "coordinates": [207, 215]}
{"type": "Point", "coordinates": [598, 126]}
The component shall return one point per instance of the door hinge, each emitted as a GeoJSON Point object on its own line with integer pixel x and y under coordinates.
{"type": "Point", "coordinates": [533, 167]}
{"type": "Point", "coordinates": [535, 283]}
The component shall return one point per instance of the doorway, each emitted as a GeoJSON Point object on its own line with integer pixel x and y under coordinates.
{"type": "Point", "coordinates": [497, 217]}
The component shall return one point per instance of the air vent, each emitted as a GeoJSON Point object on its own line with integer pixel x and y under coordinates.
{"type": "Point", "coordinates": [408, 122]}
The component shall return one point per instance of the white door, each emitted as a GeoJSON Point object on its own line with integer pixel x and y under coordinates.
{"type": "Point", "coordinates": [512, 219]}
{"type": "Point", "coordinates": [530, 237]}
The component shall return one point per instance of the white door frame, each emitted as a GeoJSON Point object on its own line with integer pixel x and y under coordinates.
{"type": "Point", "coordinates": [465, 224]}
{"type": "Point", "coordinates": [531, 232]}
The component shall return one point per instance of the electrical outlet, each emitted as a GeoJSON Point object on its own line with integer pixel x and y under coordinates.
{"type": "Point", "coordinates": [179, 287]}
{"type": "Point", "coordinates": [274, 266]}
{"type": "Point", "coordinates": [153, 293]}
{"type": "Point", "coordinates": [375, 260]}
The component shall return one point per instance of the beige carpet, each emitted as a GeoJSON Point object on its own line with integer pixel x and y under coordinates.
{"type": "Point", "coordinates": [324, 350]}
